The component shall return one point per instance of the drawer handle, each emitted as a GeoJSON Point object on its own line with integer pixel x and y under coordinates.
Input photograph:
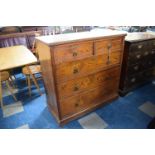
{"type": "Point", "coordinates": [76, 104]}
{"type": "Point", "coordinates": [108, 78]}
{"type": "Point", "coordinates": [75, 71]}
{"type": "Point", "coordinates": [75, 54]}
{"type": "Point", "coordinates": [138, 56]}
{"type": "Point", "coordinates": [146, 53]}
{"type": "Point", "coordinates": [140, 46]}
{"type": "Point", "coordinates": [79, 102]}
{"type": "Point", "coordinates": [76, 88]}
{"type": "Point", "coordinates": [133, 80]}
{"type": "Point", "coordinates": [136, 68]}
{"type": "Point", "coordinates": [109, 49]}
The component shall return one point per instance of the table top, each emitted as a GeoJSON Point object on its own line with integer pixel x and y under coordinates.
{"type": "Point", "coordinates": [79, 36]}
{"type": "Point", "coordinates": [15, 56]}
{"type": "Point", "coordinates": [139, 36]}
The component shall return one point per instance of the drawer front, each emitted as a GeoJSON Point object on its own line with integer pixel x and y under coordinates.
{"type": "Point", "coordinates": [133, 80]}
{"type": "Point", "coordinates": [135, 57]}
{"type": "Point", "coordinates": [86, 83]}
{"type": "Point", "coordinates": [71, 52]}
{"type": "Point", "coordinates": [140, 51]}
{"type": "Point", "coordinates": [75, 104]}
{"type": "Point", "coordinates": [103, 46]}
{"type": "Point", "coordinates": [153, 44]}
{"type": "Point", "coordinates": [71, 70]}
{"type": "Point", "coordinates": [148, 74]}
{"type": "Point", "coordinates": [135, 47]}
{"type": "Point", "coordinates": [134, 69]}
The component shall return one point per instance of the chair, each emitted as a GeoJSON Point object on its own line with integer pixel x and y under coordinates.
{"type": "Point", "coordinates": [34, 69]}
{"type": "Point", "coordinates": [4, 77]}
{"type": "Point", "coordinates": [31, 70]}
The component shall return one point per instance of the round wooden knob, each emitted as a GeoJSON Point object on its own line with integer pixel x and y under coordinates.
{"type": "Point", "coordinates": [138, 56]}
{"type": "Point", "coordinates": [75, 54]}
{"type": "Point", "coordinates": [76, 88]}
{"type": "Point", "coordinates": [75, 70]}
{"type": "Point", "coordinates": [76, 104]}
{"type": "Point", "coordinates": [136, 68]}
{"type": "Point", "coordinates": [140, 46]}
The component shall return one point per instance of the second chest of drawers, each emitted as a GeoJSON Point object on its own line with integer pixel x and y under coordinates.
{"type": "Point", "coordinates": [138, 62]}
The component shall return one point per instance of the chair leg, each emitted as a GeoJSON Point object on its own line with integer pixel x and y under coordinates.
{"type": "Point", "coordinates": [12, 82]}
{"type": "Point", "coordinates": [29, 84]}
{"type": "Point", "coordinates": [10, 89]}
{"type": "Point", "coordinates": [1, 97]}
{"type": "Point", "coordinates": [36, 84]}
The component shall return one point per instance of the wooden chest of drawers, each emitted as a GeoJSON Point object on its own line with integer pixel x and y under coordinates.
{"type": "Point", "coordinates": [81, 71]}
{"type": "Point", "coordinates": [138, 62]}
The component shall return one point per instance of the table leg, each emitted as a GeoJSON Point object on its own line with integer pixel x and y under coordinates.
{"type": "Point", "coordinates": [1, 97]}
{"type": "Point", "coordinates": [34, 80]}
{"type": "Point", "coordinates": [11, 91]}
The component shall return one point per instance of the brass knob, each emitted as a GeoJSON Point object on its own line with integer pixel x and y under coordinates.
{"type": "Point", "coordinates": [133, 80]}
{"type": "Point", "coordinates": [140, 46]}
{"type": "Point", "coordinates": [75, 54]}
{"type": "Point", "coordinates": [138, 56]}
{"type": "Point", "coordinates": [76, 88]}
{"type": "Point", "coordinates": [109, 45]}
{"type": "Point", "coordinates": [136, 67]}
{"type": "Point", "coordinates": [75, 70]}
{"type": "Point", "coordinates": [76, 104]}
{"type": "Point", "coordinates": [146, 53]}
{"type": "Point", "coordinates": [108, 62]}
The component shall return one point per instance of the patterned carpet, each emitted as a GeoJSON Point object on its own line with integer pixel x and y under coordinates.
{"type": "Point", "coordinates": [134, 111]}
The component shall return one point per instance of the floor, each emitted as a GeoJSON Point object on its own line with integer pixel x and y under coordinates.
{"type": "Point", "coordinates": [134, 111]}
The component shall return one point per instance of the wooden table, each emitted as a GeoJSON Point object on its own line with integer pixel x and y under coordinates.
{"type": "Point", "coordinates": [16, 56]}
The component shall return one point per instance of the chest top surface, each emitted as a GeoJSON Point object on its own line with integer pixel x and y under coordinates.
{"type": "Point", "coordinates": [139, 36]}
{"type": "Point", "coordinates": [80, 36]}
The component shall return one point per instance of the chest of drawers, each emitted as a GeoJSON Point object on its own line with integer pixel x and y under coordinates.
{"type": "Point", "coordinates": [138, 62]}
{"type": "Point", "coordinates": [81, 71]}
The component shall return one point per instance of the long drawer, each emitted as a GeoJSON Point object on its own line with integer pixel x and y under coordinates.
{"type": "Point", "coordinates": [102, 78]}
{"type": "Point", "coordinates": [77, 103]}
{"type": "Point", "coordinates": [70, 70]}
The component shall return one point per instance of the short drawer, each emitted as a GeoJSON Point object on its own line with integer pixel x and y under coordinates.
{"type": "Point", "coordinates": [135, 47]}
{"type": "Point", "coordinates": [71, 70]}
{"type": "Point", "coordinates": [103, 78]}
{"type": "Point", "coordinates": [134, 69]}
{"type": "Point", "coordinates": [102, 46]}
{"type": "Point", "coordinates": [153, 44]}
{"type": "Point", "coordinates": [133, 80]}
{"type": "Point", "coordinates": [135, 57]}
{"type": "Point", "coordinates": [84, 101]}
{"type": "Point", "coordinates": [71, 52]}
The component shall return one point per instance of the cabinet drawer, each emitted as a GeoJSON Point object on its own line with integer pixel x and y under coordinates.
{"type": "Point", "coordinates": [153, 44]}
{"type": "Point", "coordinates": [102, 46]}
{"type": "Point", "coordinates": [83, 101]}
{"type": "Point", "coordinates": [135, 47]}
{"type": "Point", "coordinates": [71, 70]}
{"type": "Point", "coordinates": [76, 86]}
{"type": "Point", "coordinates": [71, 52]}
{"type": "Point", "coordinates": [134, 80]}
{"type": "Point", "coordinates": [135, 57]}
{"type": "Point", "coordinates": [134, 69]}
